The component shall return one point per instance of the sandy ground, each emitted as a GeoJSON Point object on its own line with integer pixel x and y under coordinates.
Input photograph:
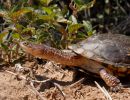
{"type": "Point", "coordinates": [65, 84]}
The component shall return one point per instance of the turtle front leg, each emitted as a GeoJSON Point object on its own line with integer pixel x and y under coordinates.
{"type": "Point", "coordinates": [110, 80]}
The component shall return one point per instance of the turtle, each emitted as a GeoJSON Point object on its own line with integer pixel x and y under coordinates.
{"type": "Point", "coordinates": [106, 55]}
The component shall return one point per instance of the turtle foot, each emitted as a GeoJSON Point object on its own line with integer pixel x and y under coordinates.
{"type": "Point", "coordinates": [116, 88]}
{"type": "Point", "coordinates": [112, 81]}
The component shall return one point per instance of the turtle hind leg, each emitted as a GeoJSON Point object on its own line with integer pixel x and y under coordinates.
{"type": "Point", "coordinates": [110, 80]}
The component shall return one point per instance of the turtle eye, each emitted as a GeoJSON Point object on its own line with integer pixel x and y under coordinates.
{"type": "Point", "coordinates": [26, 43]}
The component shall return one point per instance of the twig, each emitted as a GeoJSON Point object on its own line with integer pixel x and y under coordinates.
{"type": "Point", "coordinates": [79, 81]}
{"type": "Point", "coordinates": [104, 91]}
{"type": "Point", "coordinates": [60, 89]}
{"type": "Point", "coordinates": [22, 77]}
{"type": "Point", "coordinates": [34, 89]}
{"type": "Point", "coordinates": [107, 93]}
{"type": "Point", "coordinates": [44, 81]}
{"type": "Point", "coordinates": [31, 84]}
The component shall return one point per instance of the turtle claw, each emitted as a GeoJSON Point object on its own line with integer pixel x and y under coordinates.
{"type": "Point", "coordinates": [116, 88]}
{"type": "Point", "coordinates": [111, 81]}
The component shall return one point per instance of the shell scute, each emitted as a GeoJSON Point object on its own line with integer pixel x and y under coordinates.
{"type": "Point", "coordinates": [111, 49]}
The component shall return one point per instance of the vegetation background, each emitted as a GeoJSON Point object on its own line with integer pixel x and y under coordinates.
{"type": "Point", "coordinates": [58, 23]}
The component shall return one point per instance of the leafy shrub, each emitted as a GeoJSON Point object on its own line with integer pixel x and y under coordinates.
{"type": "Point", "coordinates": [57, 23]}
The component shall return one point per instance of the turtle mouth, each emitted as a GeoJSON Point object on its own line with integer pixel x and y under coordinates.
{"type": "Point", "coordinates": [21, 44]}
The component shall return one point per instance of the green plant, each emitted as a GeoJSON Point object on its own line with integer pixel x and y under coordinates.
{"type": "Point", "coordinates": [44, 22]}
{"type": "Point", "coordinates": [56, 22]}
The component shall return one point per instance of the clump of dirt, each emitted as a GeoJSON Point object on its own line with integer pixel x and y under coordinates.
{"type": "Point", "coordinates": [52, 82]}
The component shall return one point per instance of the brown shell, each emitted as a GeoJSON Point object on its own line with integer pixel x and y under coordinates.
{"type": "Point", "coordinates": [112, 49]}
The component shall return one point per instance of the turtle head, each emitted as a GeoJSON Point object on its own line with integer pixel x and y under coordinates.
{"type": "Point", "coordinates": [25, 45]}
{"type": "Point", "coordinates": [36, 50]}
{"type": "Point", "coordinates": [29, 47]}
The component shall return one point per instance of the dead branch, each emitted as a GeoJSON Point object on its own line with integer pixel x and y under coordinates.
{"type": "Point", "coordinates": [30, 81]}
{"type": "Point", "coordinates": [34, 89]}
{"type": "Point", "coordinates": [78, 82]}
{"type": "Point", "coordinates": [60, 89]}
{"type": "Point", "coordinates": [31, 84]}
{"type": "Point", "coordinates": [104, 91]}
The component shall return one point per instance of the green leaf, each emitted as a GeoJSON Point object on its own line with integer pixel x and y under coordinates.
{"type": "Point", "coordinates": [47, 10]}
{"type": "Point", "coordinates": [47, 17]}
{"type": "Point", "coordinates": [2, 36]}
{"type": "Point", "coordinates": [83, 4]}
{"type": "Point", "coordinates": [16, 35]}
{"type": "Point", "coordinates": [74, 20]}
{"type": "Point", "coordinates": [16, 15]}
{"type": "Point", "coordinates": [74, 27]}
{"type": "Point", "coordinates": [46, 2]}
{"type": "Point", "coordinates": [88, 27]}
{"type": "Point", "coordinates": [63, 20]}
{"type": "Point", "coordinates": [81, 35]}
{"type": "Point", "coordinates": [5, 47]}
